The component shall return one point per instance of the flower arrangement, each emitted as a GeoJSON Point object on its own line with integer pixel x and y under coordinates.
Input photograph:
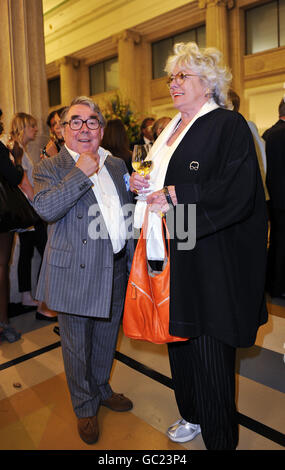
{"type": "Point", "coordinates": [117, 109]}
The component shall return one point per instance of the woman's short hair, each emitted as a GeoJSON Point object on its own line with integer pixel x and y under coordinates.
{"type": "Point", "coordinates": [18, 124]}
{"type": "Point", "coordinates": [54, 113]}
{"type": "Point", "coordinates": [207, 64]}
{"type": "Point", "coordinates": [159, 125]}
{"type": "Point", "coordinates": [115, 139]}
{"type": "Point", "coordinates": [85, 100]}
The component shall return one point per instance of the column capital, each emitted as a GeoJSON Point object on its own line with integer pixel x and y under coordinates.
{"type": "Point", "coordinates": [229, 4]}
{"type": "Point", "coordinates": [127, 35]}
{"type": "Point", "coordinates": [67, 60]}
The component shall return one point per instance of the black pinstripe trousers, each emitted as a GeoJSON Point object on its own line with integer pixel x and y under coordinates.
{"type": "Point", "coordinates": [203, 373]}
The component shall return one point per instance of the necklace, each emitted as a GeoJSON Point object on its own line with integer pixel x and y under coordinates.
{"type": "Point", "coordinates": [177, 126]}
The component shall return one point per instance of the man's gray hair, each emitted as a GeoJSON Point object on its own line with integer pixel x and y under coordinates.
{"type": "Point", "coordinates": [85, 100]}
{"type": "Point", "coordinates": [206, 64]}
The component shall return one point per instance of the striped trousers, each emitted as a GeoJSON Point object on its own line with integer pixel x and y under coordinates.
{"type": "Point", "coordinates": [203, 373]}
{"type": "Point", "coordinates": [88, 348]}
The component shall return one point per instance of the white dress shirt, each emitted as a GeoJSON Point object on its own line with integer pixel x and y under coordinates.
{"type": "Point", "coordinates": [108, 200]}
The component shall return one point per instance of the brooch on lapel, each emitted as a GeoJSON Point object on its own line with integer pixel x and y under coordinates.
{"type": "Point", "coordinates": [194, 166]}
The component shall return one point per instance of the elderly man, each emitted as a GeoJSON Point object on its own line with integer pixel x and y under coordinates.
{"type": "Point", "coordinates": [84, 272]}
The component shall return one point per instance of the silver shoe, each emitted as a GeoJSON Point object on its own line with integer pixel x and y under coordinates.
{"type": "Point", "coordinates": [182, 431]}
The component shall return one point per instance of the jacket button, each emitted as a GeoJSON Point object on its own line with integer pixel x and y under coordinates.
{"type": "Point", "coordinates": [84, 241]}
{"type": "Point", "coordinates": [82, 266]}
{"type": "Point", "coordinates": [79, 216]}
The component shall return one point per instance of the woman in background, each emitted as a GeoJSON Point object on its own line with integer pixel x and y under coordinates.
{"type": "Point", "coordinates": [159, 125]}
{"type": "Point", "coordinates": [56, 140]}
{"type": "Point", "coordinates": [23, 131]}
{"type": "Point", "coordinates": [115, 139]}
{"type": "Point", "coordinates": [13, 173]}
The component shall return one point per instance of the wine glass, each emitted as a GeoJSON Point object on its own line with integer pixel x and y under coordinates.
{"type": "Point", "coordinates": [141, 165]}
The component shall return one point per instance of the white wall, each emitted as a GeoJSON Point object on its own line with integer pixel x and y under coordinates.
{"type": "Point", "coordinates": [263, 104]}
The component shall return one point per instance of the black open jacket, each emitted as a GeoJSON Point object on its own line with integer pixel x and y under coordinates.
{"type": "Point", "coordinates": [12, 173]}
{"type": "Point", "coordinates": [217, 288]}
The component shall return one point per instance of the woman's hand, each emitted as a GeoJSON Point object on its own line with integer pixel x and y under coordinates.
{"type": "Point", "coordinates": [26, 187]}
{"type": "Point", "coordinates": [138, 182]}
{"type": "Point", "coordinates": [157, 201]}
{"type": "Point", "coordinates": [51, 149]}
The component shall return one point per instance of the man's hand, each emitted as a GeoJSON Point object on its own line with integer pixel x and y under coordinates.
{"type": "Point", "coordinates": [88, 162]}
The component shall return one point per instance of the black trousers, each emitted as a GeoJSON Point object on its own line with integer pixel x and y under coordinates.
{"type": "Point", "coordinates": [275, 282]}
{"type": "Point", "coordinates": [28, 242]}
{"type": "Point", "coordinates": [203, 373]}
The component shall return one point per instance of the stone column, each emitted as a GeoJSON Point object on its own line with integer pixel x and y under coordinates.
{"type": "Point", "coordinates": [84, 80]}
{"type": "Point", "coordinates": [237, 48]}
{"type": "Point", "coordinates": [23, 87]}
{"type": "Point", "coordinates": [144, 78]}
{"type": "Point", "coordinates": [217, 25]}
{"type": "Point", "coordinates": [23, 82]}
{"type": "Point", "coordinates": [129, 79]}
{"type": "Point", "coordinates": [69, 79]}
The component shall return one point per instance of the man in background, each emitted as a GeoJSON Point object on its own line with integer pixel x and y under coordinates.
{"type": "Point", "coordinates": [280, 124]}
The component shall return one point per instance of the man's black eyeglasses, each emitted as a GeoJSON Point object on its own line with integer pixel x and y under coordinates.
{"type": "Point", "coordinates": [76, 124]}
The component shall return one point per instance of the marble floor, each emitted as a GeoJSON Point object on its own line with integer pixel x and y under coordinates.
{"type": "Point", "coordinates": [36, 412]}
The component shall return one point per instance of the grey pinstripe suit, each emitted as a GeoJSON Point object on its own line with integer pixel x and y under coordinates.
{"type": "Point", "coordinates": [79, 277]}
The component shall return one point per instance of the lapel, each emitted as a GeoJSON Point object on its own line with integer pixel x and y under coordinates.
{"type": "Point", "coordinates": [117, 178]}
{"type": "Point", "coordinates": [66, 163]}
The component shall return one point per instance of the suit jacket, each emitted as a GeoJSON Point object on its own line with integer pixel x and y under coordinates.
{"type": "Point", "coordinates": [140, 141]}
{"type": "Point", "coordinates": [77, 270]}
{"type": "Point", "coordinates": [280, 124]}
{"type": "Point", "coordinates": [12, 173]}
{"type": "Point", "coordinates": [275, 153]}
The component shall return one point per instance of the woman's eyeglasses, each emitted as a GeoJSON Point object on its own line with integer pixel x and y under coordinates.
{"type": "Point", "coordinates": [179, 78]}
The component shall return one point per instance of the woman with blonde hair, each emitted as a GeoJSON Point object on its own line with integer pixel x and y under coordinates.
{"type": "Point", "coordinates": [206, 171]}
{"type": "Point", "coordinates": [24, 130]}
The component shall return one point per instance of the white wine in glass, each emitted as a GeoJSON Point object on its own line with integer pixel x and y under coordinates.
{"type": "Point", "coordinates": [140, 165]}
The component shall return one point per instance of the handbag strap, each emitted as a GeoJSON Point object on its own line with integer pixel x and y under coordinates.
{"type": "Point", "coordinates": [163, 224]}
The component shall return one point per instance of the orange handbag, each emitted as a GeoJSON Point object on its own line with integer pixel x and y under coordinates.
{"type": "Point", "coordinates": [146, 311]}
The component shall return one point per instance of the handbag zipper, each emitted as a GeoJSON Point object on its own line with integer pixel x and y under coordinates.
{"type": "Point", "coordinates": [162, 302]}
{"type": "Point", "coordinates": [141, 290]}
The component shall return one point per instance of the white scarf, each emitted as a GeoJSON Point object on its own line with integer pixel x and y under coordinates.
{"type": "Point", "coordinates": [161, 154]}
